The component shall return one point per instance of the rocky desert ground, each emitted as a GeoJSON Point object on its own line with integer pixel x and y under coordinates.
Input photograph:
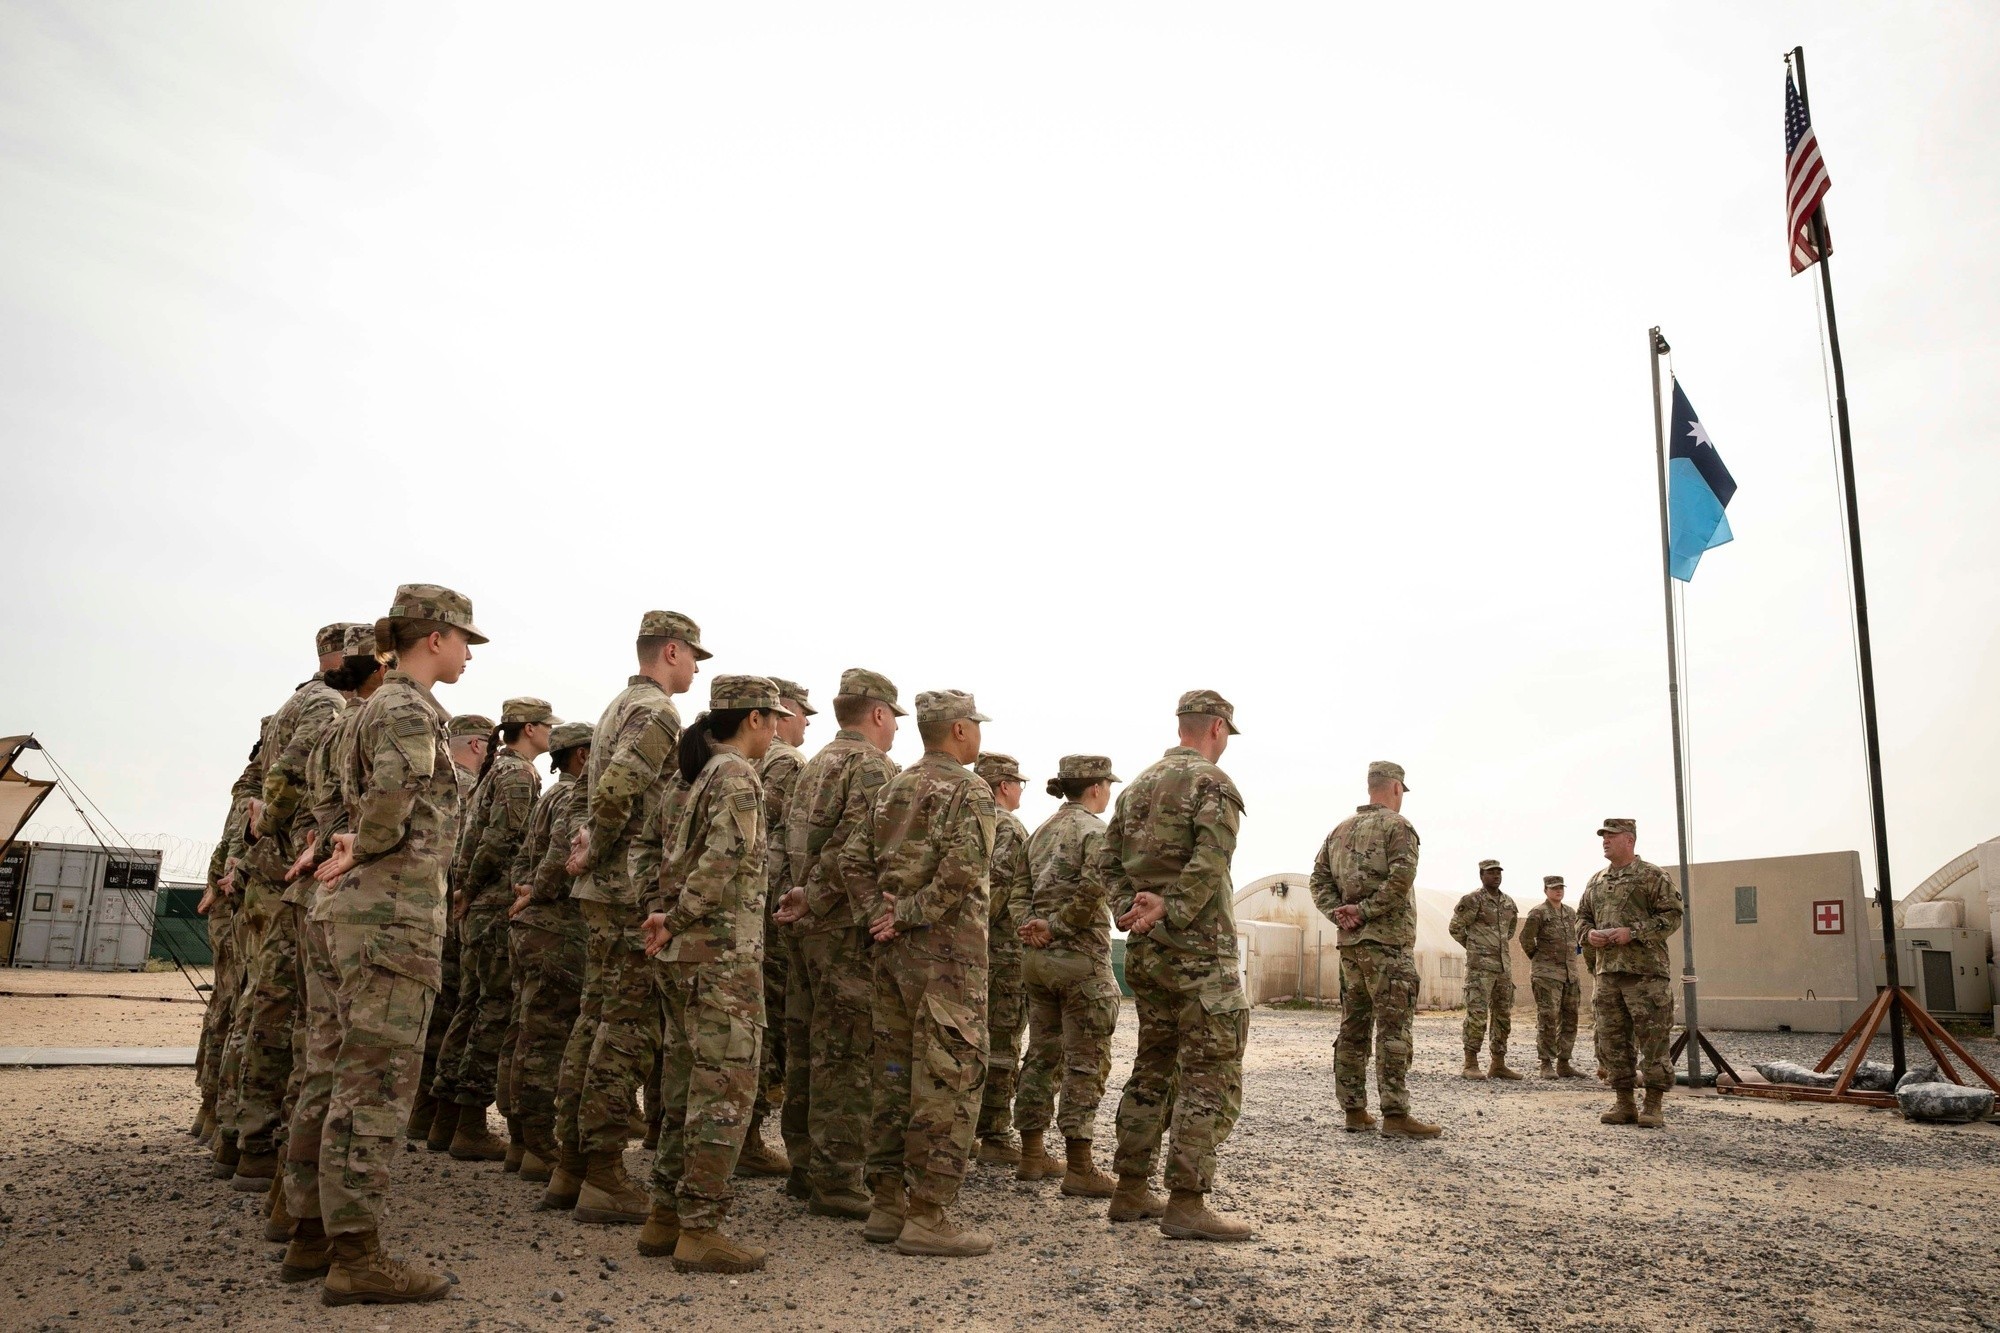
{"type": "Point", "coordinates": [1526, 1214]}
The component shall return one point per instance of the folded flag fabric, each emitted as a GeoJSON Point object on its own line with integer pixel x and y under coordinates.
{"type": "Point", "coordinates": [1699, 488]}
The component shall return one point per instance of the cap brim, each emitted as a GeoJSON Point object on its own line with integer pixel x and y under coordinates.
{"type": "Point", "coordinates": [1111, 777]}
{"type": "Point", "coordinates": [977, 717]}
{"type": "Point", "coordinates": [899, 712]}
{"type": "Point", "coordinates": [783, 711]}
{"type": "Point", "coordinates": [701, 654]}
{"type": "Point", "coordinates": [807, 709]}
{"type": "Point", "coordinates": [1604, 832]}
{"type": "Point", "coordinates": [471, 632]}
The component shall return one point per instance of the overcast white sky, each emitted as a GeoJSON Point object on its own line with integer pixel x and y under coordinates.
{"type": "Point", "coordinates": [1071, 354]}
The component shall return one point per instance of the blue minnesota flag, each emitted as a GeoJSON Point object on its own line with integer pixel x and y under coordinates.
{"type": "Point", "coordinates": [1698, 490]}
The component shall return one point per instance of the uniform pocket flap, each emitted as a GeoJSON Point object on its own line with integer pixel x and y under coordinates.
{"type": "Point", "coordinates": [411, 955]}
{"type": "Point", "coordinates": [377, 1122]}
{"type": "Point", "coordinates": [957, 1017]}
{"type": "Point", "coordinates": [1225, 999]}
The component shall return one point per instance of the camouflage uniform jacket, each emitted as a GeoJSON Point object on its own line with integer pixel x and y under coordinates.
{"type": "Point", "coordinates": [1067, 894]}
{"type": "Point", "coordinates": [539, 863]}
{"type": "Point", "coordinates": [1548, 937]}
{"type": "Point", "coordinates": [1484, 922]}
{"type": "Point", "coordinates": [1173, 833]}
{"type": "Point", "coordinates": [495, 827]}
{"type": "Point", "coordinates": [296, 728]}
{"type": "Point", "coordinates": [402, 804]}
{"type": "Point", "coordinates": [631, 755]}
{"type": "Point", "coordinates": [712, 887]}
{"type": "Point", "coordinates": [831, 806]}
{"type": "Point", "coordinates": [229, 847]}
{"type": "Point", "coordinates": [1370, 861]}
{"type": "Point", "coordinates": [930, 844]}
{"type": "Point", "coordinates": [779, 772]}
{"type": "Point", "coordinates": [1638, 895]}
{"type": "Point", "coordinates": [1012, 888]}
{"type": "Point", "coordinates": [467, 780]}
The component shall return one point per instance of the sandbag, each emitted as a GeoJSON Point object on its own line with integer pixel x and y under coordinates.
{"type": "Point", "coordinates": [1945, 1102]}
{"type": "Point", "coordinates": [1879, 1076]}
{"type": "Point", "coordinates": [1921, 1074]}
{"type": "Point", "coordinates": [1784, 1071]}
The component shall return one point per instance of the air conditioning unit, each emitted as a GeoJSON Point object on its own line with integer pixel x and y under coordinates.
{"type": "Point", "coordinates": [1946, 969]}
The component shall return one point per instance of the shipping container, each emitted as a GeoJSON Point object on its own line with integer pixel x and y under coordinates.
{"type": "Point", "coordinates": [86, 908]}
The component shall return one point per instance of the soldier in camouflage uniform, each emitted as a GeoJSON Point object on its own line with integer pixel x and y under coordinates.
{"type": "Point", "coordinates": [705, 927]}
{"type": "Point", "coordinates": [549, 947]}
{"type": "Point", "coordinates": [1164, 863]}
{"type": "Point", "coordinates": [616, 1039]}
{"type": "Point", "coordinates": [272, 963]}
{"type": "Point", "coordinates": [490, 834]}
{"type": "Point", "coordinates": [829, 995]}
{"type": "Point", "coordinates": [220, 904]}
{"type": "Point", "coordinates": [1006, 1001]}
{"type": "Point", "coordinates": [468, 736]}
{"type": "Point", "coordinates": [1365, 880]}
{"type": "Point", "coordinates": [1484, 923]}
{"type": "Point", "coordinates": [1548, 938]}
{"type": "Point", "coordinates": [1072, 993]}
{"type": "Point", "coordinates": [374, 935]}
{"type": "Point", "coordinates": [923, 860]}
{"type": "Point", "coordinates": [1629, 909]}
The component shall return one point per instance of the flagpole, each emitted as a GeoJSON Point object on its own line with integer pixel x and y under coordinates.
{"type": "Point", "coordinates": [1883, 898]}
{"type": "Point", "coordinates": [1656, 347]}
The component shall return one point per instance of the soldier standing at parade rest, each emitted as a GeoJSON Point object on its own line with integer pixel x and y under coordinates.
{"type": "Point", "coordinates": [220, 903]}
{"type": "Point", "coordinates": [1629, 909]}
{"type": "Point", "coordinates": [830, 990]}
{"type": "Point", "coordinates": [1006, 1002]}
{"type": "Point", "coordinates": [383, 929]}
{"type": "Point", "coordinates": [1165, 866]}
{"type": "Point", "coordinates": [468, 736]}
{"type": "Point", "coordinates": [705, 928]}
{"type": "Point", "coordinates": [926, 857]}
{"type": "Point", "coordinates": [617, 1032]}
{"type": "Point", "coordinates": [1548, 938]}
{"type": "Point", "coordinates": [1072, 993]}
{"type": "Point", "coordinates": [1484, 923]}
{"type": "Point", "coordinates": [1365, 880]}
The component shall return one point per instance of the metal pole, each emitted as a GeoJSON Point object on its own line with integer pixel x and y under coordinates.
{"type": "Point", "coordinates": [1883, 897]}
{"type": "Point", "coordinates": [1656, 347]}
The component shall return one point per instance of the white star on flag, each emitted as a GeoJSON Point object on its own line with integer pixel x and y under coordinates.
{"type": "Point", "coordinates": [1699, 435]}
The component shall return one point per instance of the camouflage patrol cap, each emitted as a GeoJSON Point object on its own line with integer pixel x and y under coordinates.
{"type": "Point", "coordinates": [997, 768]}
{"type": "Point", "coordinates": [332, 638]}
{"type": "Point", "coordinates": [569, 735]}
{"type": "Point", "coordinates": [1552, 881]}
{"type": "Point", "coordinates": [948, 706]}
{"type": "Point", "coordinates": [1207, 703]}
{"type": "Point", "coordinates": [527, 708]}
{"type": "Point", "coordinates": [796, 692]}
{"type": "Point", "coordinates": [1382, 771]}
{"type": "Point", "coordinates": [359, 641]}
{"type": "Point", "coordinates": [1086, 768]}
{"type": "Point", "coordinates": [673, 625]}
{"type": "Point", "coordinates": [1630, 826]}
{"type": "Point", "coordinates": [860, 683]}
{"type": "Point", "coordinates": [745, 692]}
{"type": "Point", "coordinates": [428, 603]}
{"type": "Point", "coordinates": [1490, 864]}
{"type": "Point", "coordinates": [468, 724]}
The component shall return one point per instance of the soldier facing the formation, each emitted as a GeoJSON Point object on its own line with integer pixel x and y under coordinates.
{"type": "Point", "coordinates": [1484, 923]}
{"type": "Point", "coordinates": [1629, 909]}
{"type": "Point", "coordinates": [1548, 938]}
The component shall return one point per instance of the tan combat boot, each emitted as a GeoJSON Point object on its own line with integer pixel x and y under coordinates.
{"type": "Point", "coordinates": [1564, 1070]}
{"type": "Point", "coordinates": [517, 1146]}
{"type": "Point", "coordinates": [1407, 1126]}
{"type": "Point", "coordinates": [886, 1212]}
{"type": "Point", "coordinates": [926, 1230]}
{"type": "Point", "coordinates": [709, 1251]}
{"type": "Point", "coordinates": [661, 1233]}
{"type": "Point", "coordinates": [444, 1126]}
{"type": "Point", "coordinates": [200, 1116]}
{"type": "Point", "coordinates": [360, 1274]}
{"type": "Point", "coordinates": [1036, 1164]}
{"type": "Point", "coordinates": [254, 1172]}
{"type": "Point", "coordinates": [1358, 1120]}
{"type": "Point", "coordinates": [225, 1157]}
{"type": "Point", "coordinates": [851, 1204]}
{"type": "Point", "coordinates": [207, 1132]}
{"type": "Point", "coordinates": [1189, 1218]}
{"type": "Point", "coordinates": [1082, 1179]}
{"type": "Point", "coordinates": [278, 1218]}
{"type": "Point", "coordinates": [1133, 1202]}
{"type": "Point", "coordinates": [1548, 1070]}
{"type": "Point", "coordinates": [473, 1140]}
{"type": "Point", "coordinates": [1498, 1069]}
{"type": "Point", "coordinates": [757, 1157]}
{"type": "Point", "coordinates": [422, 1112]}
{"type": "Point", "coordinates": [535, 1168]}
{"type": "Point", "coordinates": [565, 1183]}
{"type": "Point", "coordinates": [1472, 1069]}
{"type": "Point", "coordinates": [608, 1195]}
{"type": "Point", "coordinates": [1654, 1116]}
{"type": "Point", "coordinates": [309, 1252]}
{"type": "Point", "coordinates": [999, 1150]}
{"type": "Point", "coordinates": [1622, 1112]}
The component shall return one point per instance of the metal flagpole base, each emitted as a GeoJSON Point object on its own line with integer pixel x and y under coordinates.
{"type": "Point", "coordinates": [1859, 1035]}
{"type": "Point", "coordinates": [1708, 1080]}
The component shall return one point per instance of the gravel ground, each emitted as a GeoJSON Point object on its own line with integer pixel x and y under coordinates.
{"type": "Point", "coordinates": [1526, 1214]}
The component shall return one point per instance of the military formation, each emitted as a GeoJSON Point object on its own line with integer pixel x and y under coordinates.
{"type": "Point", "coordinates": [696, 929]}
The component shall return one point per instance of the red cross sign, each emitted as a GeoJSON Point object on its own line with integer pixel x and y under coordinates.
{"type": "Point", "coordinates": [1827, 917]}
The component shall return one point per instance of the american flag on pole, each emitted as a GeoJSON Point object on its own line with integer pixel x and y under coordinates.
{"type": "Point", "coordinates": [1806, 182]}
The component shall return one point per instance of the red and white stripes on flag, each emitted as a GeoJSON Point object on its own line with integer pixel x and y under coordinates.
{"type": "Point", "coordinates": [1806, 182]}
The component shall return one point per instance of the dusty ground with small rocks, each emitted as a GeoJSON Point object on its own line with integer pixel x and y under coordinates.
{"type": "Point", "coordinates": [1526, 1214]}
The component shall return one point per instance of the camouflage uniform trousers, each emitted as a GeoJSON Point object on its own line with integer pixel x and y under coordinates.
{"type": "Point", "coordinates": [1072, 1012]}
{"type": "Point", "coordinates": [253, 922]}
{"type": "Point", "coordinates": [1006, 1019]}
{"type": "Point", "coordinates": [215, 1019]}
{"type": "Point", "coordinates": [1634, 1017]}
{"type": "Point", "coordinates": [709, 1073]}
{"type": "Point", "coordinates": [1556, 1005]}
{"type": "Point", "coordinates": [275, 986]}
{"type": "Point", "coordinates": [600, 939]}
{"type": "Point", "coordinates": [370, 993]}
{"type": "Point", "coordinates": [468, 1066]}
{"type": "Point", "coordinates": [777, 975]}
{"type": "Point", "coordinates": [510, 1036]}
{"type": "Point", "coordinates": [1489, 997]}
{"type": "Point", "coordinates": [548, 974]}
{"type": "Point", "coordinates": [1187, 1079]}
{"type": "Point", "coordinates": [930, 1063]}
{"type": "Point", "coordinates": [626, 1044]}
{"type": "Point", "coordinates": [441, 1012]}
{"type": "Point", "coordinates": [1378, 987]}
{"type": "Point", "coordinates": [829, 1032]}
